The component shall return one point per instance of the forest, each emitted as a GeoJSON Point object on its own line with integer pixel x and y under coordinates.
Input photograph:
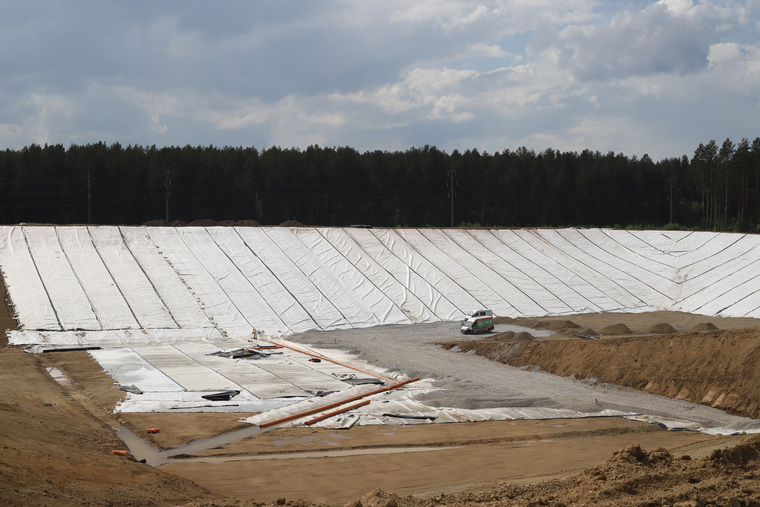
{"type": "Point", "coordinates": [717, 189]}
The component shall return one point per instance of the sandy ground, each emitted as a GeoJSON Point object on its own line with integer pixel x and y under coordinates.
{"type": "Point", "coordinates": [58, 438]}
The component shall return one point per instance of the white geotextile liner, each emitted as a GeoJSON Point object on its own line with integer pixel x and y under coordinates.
{"type": "Point", "coordinates": [349, 304]}
{"type": "Point", "coordinates": [144, 303]}
{"type": "Point", "coordinates": [626, 290]}
{"type": "Point", "coordinates": [398, 407]}
{"type": "Point", "coordinates": [275, 297]}
{"type": "Point", "coordinates": [215, 303]}
{"type": "Point", "coordinates": [427, 268]}
{"type": "Point", "coordinates": [520, 291]}
{"type": "Point", "coordinates": [114, 337]}
{"type": "Point", "coordinates": [469, 274]}
{"type": "Point", "coordinates": [193, 402]}
{"type": "Point", "coordinates": [128, 368]}
{"type": "Point", "coordinates": [72, 305]}
{"type": "Point", "coordinates": [324, 314]}
{"type": "Point", "coordinates": [240, 290]}
{"type": "Point", "coordinates": [33, 307]}
{"type": "Point", "coordinates": [281, 281]}
{"type": "Point", "coordinates": [572, 288]}
{"type": "Point", "coordinates": [351, 279]}
{"type": "Point", "coordinates": [184, 309]}
{"type": "Point", "coordinates": [405, 274]}
{"type": "Point", "coordinates": [399, 294]}
{"type": "Point", "coordinates": [92, 274]}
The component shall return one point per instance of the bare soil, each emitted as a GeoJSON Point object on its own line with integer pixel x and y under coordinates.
{"type": "Point", "coordinates": [58, 437]}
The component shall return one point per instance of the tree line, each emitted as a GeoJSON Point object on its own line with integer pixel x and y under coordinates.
{"type": "Point", "coordinates": [718, 188]}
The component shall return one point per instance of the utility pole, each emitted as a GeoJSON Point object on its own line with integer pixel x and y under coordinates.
{"type": "Point", "coordinates": [452, 172]}
{"type": "Point", "coordinates": [167, 184]}
{"type": "Point", "coordinates": [89, 196]}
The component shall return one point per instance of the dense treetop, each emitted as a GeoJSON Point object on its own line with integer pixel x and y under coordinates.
{"type": "Point", "coordinates": [717, 189]}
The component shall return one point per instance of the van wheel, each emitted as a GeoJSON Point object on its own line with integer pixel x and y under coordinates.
{"type": "Point", "coordinates": [490, 329]}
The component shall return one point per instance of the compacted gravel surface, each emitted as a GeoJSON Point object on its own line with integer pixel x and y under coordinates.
{"type": "Point", "coordinates": [473, 382]}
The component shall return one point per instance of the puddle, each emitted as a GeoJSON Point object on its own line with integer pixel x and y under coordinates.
{"type": "Point", "coordinates": [142, 450]}
{"type": "Point", "coordinates": [313, 454]}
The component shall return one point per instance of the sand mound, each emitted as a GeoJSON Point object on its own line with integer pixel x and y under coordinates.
{"type": "Point", "coordinates": [663, 328]}
{"type": "Point", "coordinates": [505, 336]}
{"type": "Point", "coordinates": [587, 331]}
{"type": "Point", "coordinates": [248, 223]}
{"type": "Point", "coordinates": [615, 329]}
{"type": "Point", "coordinates": [205, 222]}
{"type": "Point", "coordinates": [380, 498]}
{"type": "Point", "coordinates": [511, 336]}
{"type": "Point", "coordinates": [704, 326]}
{"type": "Point", "coordinates": [291, 223]}
{"type": "Point", "coordinates": [164, 223]}
{"type": "Point", "coordinates": [740, 455]}
{"type": "Point", "coordinates": [635, 454]}
{"type": "Point", "coordinates": [555, 325]}
{"type": "Point", "coordinates": [523, 336]}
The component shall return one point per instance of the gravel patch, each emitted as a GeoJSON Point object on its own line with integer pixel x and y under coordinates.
{"type": "Point", "coordinates": [469, 381]}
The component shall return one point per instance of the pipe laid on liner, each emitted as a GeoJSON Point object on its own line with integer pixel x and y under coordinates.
{"type": "Point", "coordinates": [336, 412]}
{"type": "Point", "coordinates": [336, 404]}
{"type": "Point", "coordinates": [331, 360]}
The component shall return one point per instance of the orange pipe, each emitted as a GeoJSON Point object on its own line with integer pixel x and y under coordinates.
{"type": "Point", "coordinates": [335, 404]}
{"type": "Point", "coordinates": [332, 361]}
{"type": "Point", "coordinates": [336, 412]}
{"type": "Point", "coordinates": [119, 453]}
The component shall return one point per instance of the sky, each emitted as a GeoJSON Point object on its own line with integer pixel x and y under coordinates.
{"type": "Point", "coordinates": [632, 77]}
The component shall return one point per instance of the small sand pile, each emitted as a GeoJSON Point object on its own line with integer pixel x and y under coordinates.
{"type": "Point", "coordinates": [204, 222]}
{"type": "Point", "coordinates": [164, 223]}
{"type": "Point", "coordinates": [249, 222]}
{"type": "Point", "coordinates": [523, 336]}
{"type": "Point", "coordinates": [704, 326]}
{"type": "Point", "coordinates": [511, 336]}
{"type": "Point", "coordinates": [663, 328]}
{"type": "Point", "coordinates": [587, 332]}
{"type": "Point", "coordinates": [291, 223]}
{"type": "Point", "coordinates": [615, 329]}
{"type": "Point", "coordinates": [505, 336]}
{"type": "Point", "coordinates": [555, 325]}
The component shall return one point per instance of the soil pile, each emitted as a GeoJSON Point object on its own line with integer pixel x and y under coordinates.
{"type": "Point", "coordinates": [555, 325]}
{"type": "Point", "coordinates": [206, 222]}
{"type": "Point", "coordinates": [615, 330]}
{"type": "Point", "coordinates": [663, 328]}
{"type": "Point", "coordinates": [704, 326]}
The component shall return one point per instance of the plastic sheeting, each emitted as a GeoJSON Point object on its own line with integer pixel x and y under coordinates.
{"type": "Point", "coordinates": [144, 283]}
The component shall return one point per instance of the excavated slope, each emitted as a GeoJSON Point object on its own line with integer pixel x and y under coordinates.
{"type": "Point", "coordinates": [715, 368]}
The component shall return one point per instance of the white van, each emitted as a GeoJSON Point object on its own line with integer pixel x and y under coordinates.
{"type": "Point", "coordinates": [478, 321]}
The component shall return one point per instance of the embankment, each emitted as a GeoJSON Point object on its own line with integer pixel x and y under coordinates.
{"type": "Point", "coordinates": [715, 368]}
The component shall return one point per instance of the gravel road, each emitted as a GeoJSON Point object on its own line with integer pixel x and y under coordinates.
{"type": "Point", "coordinates": [472, 382]}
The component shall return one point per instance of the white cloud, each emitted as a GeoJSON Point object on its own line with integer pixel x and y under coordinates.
{"type": "Point", "coordinates": [454, 74]}
{"type": "Point", "coordinates": [671, 36]}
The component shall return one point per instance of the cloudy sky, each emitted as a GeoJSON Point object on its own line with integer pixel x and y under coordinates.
{"type": "Point", "coordinates": [627, 76]}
